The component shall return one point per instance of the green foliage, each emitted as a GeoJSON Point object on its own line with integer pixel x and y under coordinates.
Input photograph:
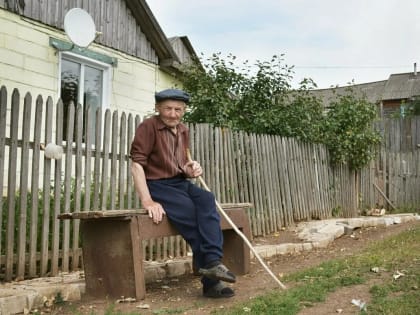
{"type": "Point", "coordinates": [58, 299]}
{"type": "Point", "coordinates": [213, 91]}
{"type": "Point", "coordinates": [348, 131]}
{"type": "Point", "coordinates": [6, 203]}
{"type": "Point", "coordinates": [259, 99]}
{"type": "Point", "coordinates": [255, 99]}
{"type": "Point", "coordinates": [112, 311]}
{"type": "Point", "coordinates": [336, 212]}
{"type": "Point", "coordinates": [407, 109]}
{"type": "Point", "coordinates": [412, 108]}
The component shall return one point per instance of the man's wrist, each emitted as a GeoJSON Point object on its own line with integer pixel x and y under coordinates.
{"type": "Point", "coordinates": [147, 201]}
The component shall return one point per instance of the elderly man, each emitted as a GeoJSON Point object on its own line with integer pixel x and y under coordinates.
{"type": "Point", "coordinates": [161, 170]}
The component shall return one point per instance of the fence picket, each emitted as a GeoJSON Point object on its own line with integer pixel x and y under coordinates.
{"type": "Point", "coordinates": [46, 191]}
{"type": "Point", "coordinates": [97, 166]}
{"type": "Point", "coordinates": [23, 195]}
{"type": "Point", "coordinates": [11, 185]}
{"type": "Point", "coordinates": [114, 144]}
{"type": "Point", "coordinates": [57, 191]}
{"type": "Point", "coordinates": [267, 182]}
{"type": "Point", "coordinates": [88, 157]}
{"type": "Point", "coordinates": [250, 180]}
{"type": "Point", "coordinates": [105, 158]}
{"type": "Point", "coordinates": [3, 111]}
{"type": "Point", "coordinates": [122, 161]}
{"type": "Point", "coordinates": [33, 230]}
{"type": "Point", "coordinates": [137, 121]}
{"type": "Point", "coordinates": [217, 158]}
{"type": "Point", "coordinates": [129, 186]}
{"type": "Point", "coordinates": [77, 186]}
{"type": "Point", "coordinates": [67, 187]}
{"type": "Point", "coordinates": [256, 178]}
{"type": "Point", "coordinates": [211, 174]}
{"type": "Point", "coordinates": [279, 182]}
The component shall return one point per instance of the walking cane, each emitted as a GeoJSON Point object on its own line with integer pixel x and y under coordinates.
{"type": "Point", "coordinates": [232, 224]}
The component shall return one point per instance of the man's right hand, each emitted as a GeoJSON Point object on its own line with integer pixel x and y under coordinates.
{"type": "Point", "coordinates": [155, 210]}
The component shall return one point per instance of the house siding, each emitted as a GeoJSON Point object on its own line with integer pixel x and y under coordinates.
{"type": "Point", "coordinates": [21, 55]}
{"type": "Point", "coordinates": [112, 18]}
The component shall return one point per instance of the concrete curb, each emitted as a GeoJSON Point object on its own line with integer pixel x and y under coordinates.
{"type": "Point", "coordinates": [23, 296]}
{"type": "Point", "coordinates": [20, 297]}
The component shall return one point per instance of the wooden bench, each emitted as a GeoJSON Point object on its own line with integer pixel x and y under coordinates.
{"type": "Point", "coordinates": [112, 247]}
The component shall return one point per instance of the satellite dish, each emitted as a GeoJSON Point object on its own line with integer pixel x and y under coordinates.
{"type": "Point", "coordinates": [79, 27]}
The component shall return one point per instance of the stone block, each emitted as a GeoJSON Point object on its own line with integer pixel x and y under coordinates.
{"type": "Point", "coordinates": [397, 220]}
{"type": "Point", "coordinates": [333, 230]}
{"type": "Point", "coordinates": [389, 221]}
{"type": "Point", "coordinates": [13, 304]}
{"type": "Point", "coordinates": [348, 229]}
{"type": "Point", "coordinates": [307, 246]}
{"type": "Point", "coordinates": [282, 249]}
{"type": "Point", "coordinates": [154, 272]}
{"type": "Point", "coordinates": [356, 222]}
{"type": "Point", "coordinates": [178, 268]}
{"type": "Point", "coordinates": [322, 242]}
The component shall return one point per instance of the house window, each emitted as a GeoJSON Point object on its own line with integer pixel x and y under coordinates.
{"type": "Point", "coordinates": [83, 81]}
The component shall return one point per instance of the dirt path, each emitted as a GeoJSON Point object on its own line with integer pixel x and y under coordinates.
{"type": "Point", "coordinates": [184, 294]}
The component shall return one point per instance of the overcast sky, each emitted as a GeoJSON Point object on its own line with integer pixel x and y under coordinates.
{"type": "Point", "coordinates": [331, 41]}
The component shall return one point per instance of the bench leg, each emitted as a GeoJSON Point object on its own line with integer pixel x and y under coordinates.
{"type": "Point", "coordinates": [236, 254]}
{"type": "Point", "coordinates": [112, 258]}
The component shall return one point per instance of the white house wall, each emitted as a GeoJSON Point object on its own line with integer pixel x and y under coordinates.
{"type": "Point", "coordinates": [30, 64]}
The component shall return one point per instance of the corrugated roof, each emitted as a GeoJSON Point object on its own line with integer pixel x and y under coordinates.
{"type": "Point", "coordinates": [402, 86]}
{"type": "Point", "coordinates": [372, 91]}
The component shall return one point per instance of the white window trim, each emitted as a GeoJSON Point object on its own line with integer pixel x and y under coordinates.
{"type": "Point", "coordinates": [106, 68]}
{"type": "Point", "coordinates": [106, 90]}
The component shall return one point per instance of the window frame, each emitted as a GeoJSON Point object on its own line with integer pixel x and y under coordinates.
{"type": "Point", "coordinates": [106, 79]}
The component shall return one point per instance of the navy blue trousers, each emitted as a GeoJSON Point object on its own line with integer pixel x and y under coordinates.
{"type": "Point", "coordinates": [192, 211]}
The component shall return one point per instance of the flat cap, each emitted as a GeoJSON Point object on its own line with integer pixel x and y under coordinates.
{"type": "Point", "coordinates": [172, 94]}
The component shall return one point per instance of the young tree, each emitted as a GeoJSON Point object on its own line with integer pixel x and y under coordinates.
{"type": "Point", "coordinates": [349, 132]}
{"type": "Point", "coordinates": [256, 99]}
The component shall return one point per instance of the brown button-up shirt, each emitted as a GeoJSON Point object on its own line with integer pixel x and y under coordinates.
{"type": "Point", "coordinates": [161, 152]}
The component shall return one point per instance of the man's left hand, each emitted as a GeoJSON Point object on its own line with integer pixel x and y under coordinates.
{"type": "Point", "coordinates": [193, 169]}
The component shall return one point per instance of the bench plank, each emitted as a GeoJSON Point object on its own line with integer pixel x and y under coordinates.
{"type": "Point", "coordinates": [94, 214]}
{"type": "Point", "coordinates": [100, 214]}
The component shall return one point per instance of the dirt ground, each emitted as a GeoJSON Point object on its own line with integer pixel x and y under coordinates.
{"type": "Point", "coordinates": [184, 294]}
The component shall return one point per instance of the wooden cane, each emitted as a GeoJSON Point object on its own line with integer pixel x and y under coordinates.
{"type": "Point", "coordinates": [235, 228]}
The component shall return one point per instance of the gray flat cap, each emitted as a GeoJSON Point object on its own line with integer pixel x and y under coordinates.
{"type": "Point", "coordinates": [172, 94]}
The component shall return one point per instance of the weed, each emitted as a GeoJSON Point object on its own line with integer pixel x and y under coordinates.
{"type": "Point", "coordinates": [58, 299]}
{"type": "Point", "coordinates": [336, 212]}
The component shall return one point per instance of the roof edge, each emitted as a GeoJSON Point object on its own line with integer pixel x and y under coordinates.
{"type": "Point", "coordinates": [151, 28]}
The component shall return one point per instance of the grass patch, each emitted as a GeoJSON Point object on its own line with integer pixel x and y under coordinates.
{"type": "Point", "coordinates": [391, 296]}
{"type": "Point", "coordinates": [168, 311]}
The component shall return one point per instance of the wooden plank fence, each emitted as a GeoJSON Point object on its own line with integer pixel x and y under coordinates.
{"type": "Point", "coordinates": [286, 181]}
